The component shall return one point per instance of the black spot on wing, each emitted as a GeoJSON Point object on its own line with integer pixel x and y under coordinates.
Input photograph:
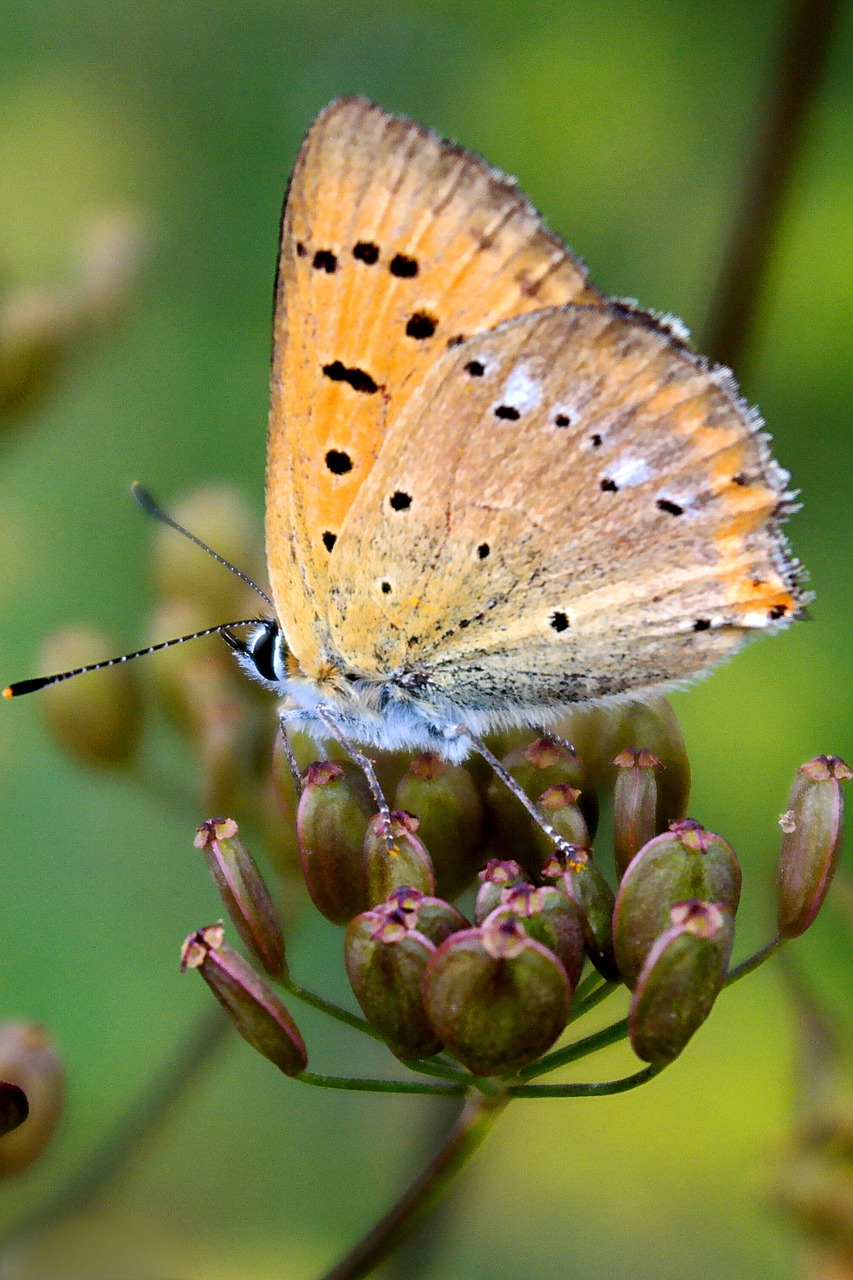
{"type": "Point", "coordinates": [358, 379]}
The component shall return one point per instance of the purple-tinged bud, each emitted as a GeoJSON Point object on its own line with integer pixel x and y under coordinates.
{"type": "Point", "coordinates": [448, 806]}
{"type": "Point", "coordinates": [585, 885]}
{"type": "Point", "coordinates": [635, 799]}
{"type": "Point", "coordinates": [406, 864]}
{"type": "Point", "coordinates": [496, 876]}
{"type": "Point", "coordinates": [386, 959]}
{"type": "Point", "coordinates": [243, 891]}
{"type": "Point", "coordinates": [14, 1107]}
{"type": "Point", "coordinates": [496, 998]}
{"type": "Point", "coordinates": [540, 765]}
{"type": "Point", "coordinates": [433, 917]}
{"type": "Point", "coordinates": [252, 1005]}
{"type": "Point", "coordinates": [334, 811]}
{"type": "Point", "coordinates": [96, 720]}
{"type": "Point", "coordinates": [680, 980]}
{"type": "Point", "coordinates": [554, 919]}
{"type": "Point", "coordinates": [687, 862]}
{"type": "Point", "coordinates": [29, 1061]}
{"type": "Point", "coordinates": [558, 806]}
{"type": "Point", "coordinates": [813, 831]}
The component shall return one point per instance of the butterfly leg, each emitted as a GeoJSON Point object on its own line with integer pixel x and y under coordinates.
{"type": "Point", "coordinates": [289, 754]}
{"type": "Point", "coordinates": [509, 781]}
{"type": "Point", "coordinates": [326, 717]}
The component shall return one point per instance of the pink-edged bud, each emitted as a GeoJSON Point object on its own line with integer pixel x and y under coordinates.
{"type": "Point", "coordinates": [386, 959]}
{"type": "Point", "coordinates": [560, 809]}
{"type": "Point", "coordinates": [551, 917]}
{"type": "Point", "coordinates": [243, 891]}
{"type": "Point", "coordinates": [683, 974]}
{"type": "Point", "coordinates": [403, 864]}
{"type": "Point", "coordinates": [496, 998]}
{"type": "Point", "coordinates": [433, 917]}
{"type": "Point", "coordinates": [448, 806]}
{"type": "Point", "coordinates": [635, 799]}
{"type": "Point", "coordinates": [497, 875]}
{"type": "Point", "coordinates": [813, 832]}
{"type": "Point", "coordinates": [536, 767]}
{"type": "Point", "coordinates": [14, 1107]}
{"type": "Point", "coordinates": [334, 811]}
{"type": "Point", "coordinates": [686, 862]}
{"type": "Point", "coordinates": [248, 999]}
{"type": "Point", "coordinates": [30, 1062]}
{"type": "Point", "coordinates": [584, 884]}
{"type": "Point", "coordinates": [97, 719]}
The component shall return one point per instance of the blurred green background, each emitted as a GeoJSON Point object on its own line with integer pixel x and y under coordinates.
{"type": "Point", "coordinates": [628, 123]}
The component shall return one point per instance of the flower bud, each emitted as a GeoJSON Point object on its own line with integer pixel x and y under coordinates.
{"type": "Point", "coordinates": [433, 917]}
{"type": "Point", "coordinates": [98, 718]}
{"type": "Point", "coordinates": [405, 864]}
{"type": "Point", "coordinates": [680, 980]}
{"type": "Point", "coordinates": [635, 798]}
{"type": "Point", "coordinates": [253, 1006]}
{"type": "Point", "coordinates": [687, 862]}
{"type": "Point", "coordinates": [450, 812]}
{"type": "Point", "coordinates": [558, 806]}
{"type": "Point", "coordinates": [386, 959]}
{"type": "Point", "coordinates": [35, 330]}
{"type": "Point", "coordinates": [14, 1107]}
{"type": "Point", "coordinates": [496, 876]}
{"type": "Point", "coordinates": [334, 810]}
{"type": "Point", "coordinates": [813, 831]}
{"type": "Point", "coordinates": [535, 767]}
{"type": "Point", "coordinates": [585, 885]}
{"type": "Point", "coordinates": [29, 1060]}
{"type": "Point", "coordinates": [496, 998]}
{"type": "Point", "coordinates": [243, 891]}
{"type": "Point", "coordinates": [551, 917]}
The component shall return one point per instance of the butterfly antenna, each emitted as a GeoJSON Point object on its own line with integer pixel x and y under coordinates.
{"type": "Point", "coordinates": [151, 508]}
{"type": "Point", "coordinates": [40, 682]}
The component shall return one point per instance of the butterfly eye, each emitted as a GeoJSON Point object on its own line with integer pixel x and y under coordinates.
{"type": "Point", "coordinates": [266, 653]}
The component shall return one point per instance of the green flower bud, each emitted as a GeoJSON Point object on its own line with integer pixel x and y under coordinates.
{"type": "Point", "coordinates": [386, 959]}
{"type": "Point", "coordinates": [584, 884]}
{"type": "Point", "coordinates": [496, 876]}
{"type": "Point", "coordinates": [35, 330]}
{"type": "Point", "coordinates": [813, 831]}
{"type": "Point", "coordinates": [551, 917]}
{"type": "Point", "coordinates": [29, 1060]}
{"type": "Point", "coordinates": [253, 1006]}
{"type": "Point", "coordinates": [334, 810]}
{"type": "Point", "coordinates": [448, 807]}
{"type": "Point", "coordinates": [406, 864]}
{"type": "Point", "coordinates": [558, 806]}
{"type": "Point", "coordinates": [635, 799]}
{"type": "Point", "coordinates": [535, 767]}
{"type": "Point", "coordinates": [680, 980]}
{"type": "Point", "coordinates": [97, 719]}
{"type": "Point", "coordinates": [14, 1107]}
{"type": "Point", "coordinates": [496, 998]}
{"type": "Point", "coordinates": [243, 891]}
{"type": "Point", "coordinates": [687, 862]}
{"type": "Point", "coordinates": [433, 917]}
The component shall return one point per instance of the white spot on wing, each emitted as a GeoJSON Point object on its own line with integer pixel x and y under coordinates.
{"type": "Point", "coordinates": [522, 391]}
{"type": "Point", "coordinates": [628, 471]}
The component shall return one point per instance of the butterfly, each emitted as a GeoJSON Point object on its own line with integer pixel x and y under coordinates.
{"type": "Point", "coordinates": [492, 492]}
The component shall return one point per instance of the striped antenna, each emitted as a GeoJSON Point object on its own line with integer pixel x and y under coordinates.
{"type": "Point", "coordinates": [151, 508]}
{"type": "Point", "coordinates": [40, 682]}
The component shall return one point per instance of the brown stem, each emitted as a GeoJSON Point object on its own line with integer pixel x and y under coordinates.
{"type": "Point", "coordinates": [736, 300]}
{"type": "Point", "coordinates": [128, 1135]}
{"type": "Point", "coordinates": [477, 1118]}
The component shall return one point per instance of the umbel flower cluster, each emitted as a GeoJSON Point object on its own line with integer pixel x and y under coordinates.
{"type": "Point", "coordinates": [471, 940]}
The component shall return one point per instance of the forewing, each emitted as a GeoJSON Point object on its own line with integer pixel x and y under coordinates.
{"type": "Point", "coordinates": [571, 506]}
{"type": "Point", "coordinates": [395, 245]}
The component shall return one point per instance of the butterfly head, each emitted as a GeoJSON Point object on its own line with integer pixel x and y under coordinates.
{"type": "Point", "coordinates": [263, 655]}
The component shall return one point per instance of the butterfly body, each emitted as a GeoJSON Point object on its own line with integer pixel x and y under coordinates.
{"type": "Point", "coordinates": [491, 492]}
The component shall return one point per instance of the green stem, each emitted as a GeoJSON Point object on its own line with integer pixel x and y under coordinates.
{"type": "Point", "coordinates": [328, 1007]}
{"type": "Point", "coordinates": [747, 966]}
{"type": "Point", "coordinates": [475, 1122]}
{"type": "Point", "coordinates": [580, 1049]}
{"type": "Point", "coordinates": [357, 1085]}
{"type": "Point", "coordinates": [437, 1069]}
{"type": "Point", "coordinates": [591, 1001]}
{"type": "Point", "coordinates": [588, 1090]}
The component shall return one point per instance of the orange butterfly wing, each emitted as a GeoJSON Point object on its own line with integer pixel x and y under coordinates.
{"type": "Point", "coordinates": [395, 245]}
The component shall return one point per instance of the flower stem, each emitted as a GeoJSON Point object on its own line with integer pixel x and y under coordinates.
{"type": "Point", "coordinates": [595, 1090]}
{"type": "Point", "coordinates": [580, 1049]}
{"type": "Point", "coordinates": [328, 1007]}
{"type": "Point", "coordinates": [591, 1000]}
{"type": "Point", "coordinates": [360, 1085]}
{"type": "Point", "coordinates": [475, 1122]}
{"type": "Point", "coordinates": [754, 961]}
